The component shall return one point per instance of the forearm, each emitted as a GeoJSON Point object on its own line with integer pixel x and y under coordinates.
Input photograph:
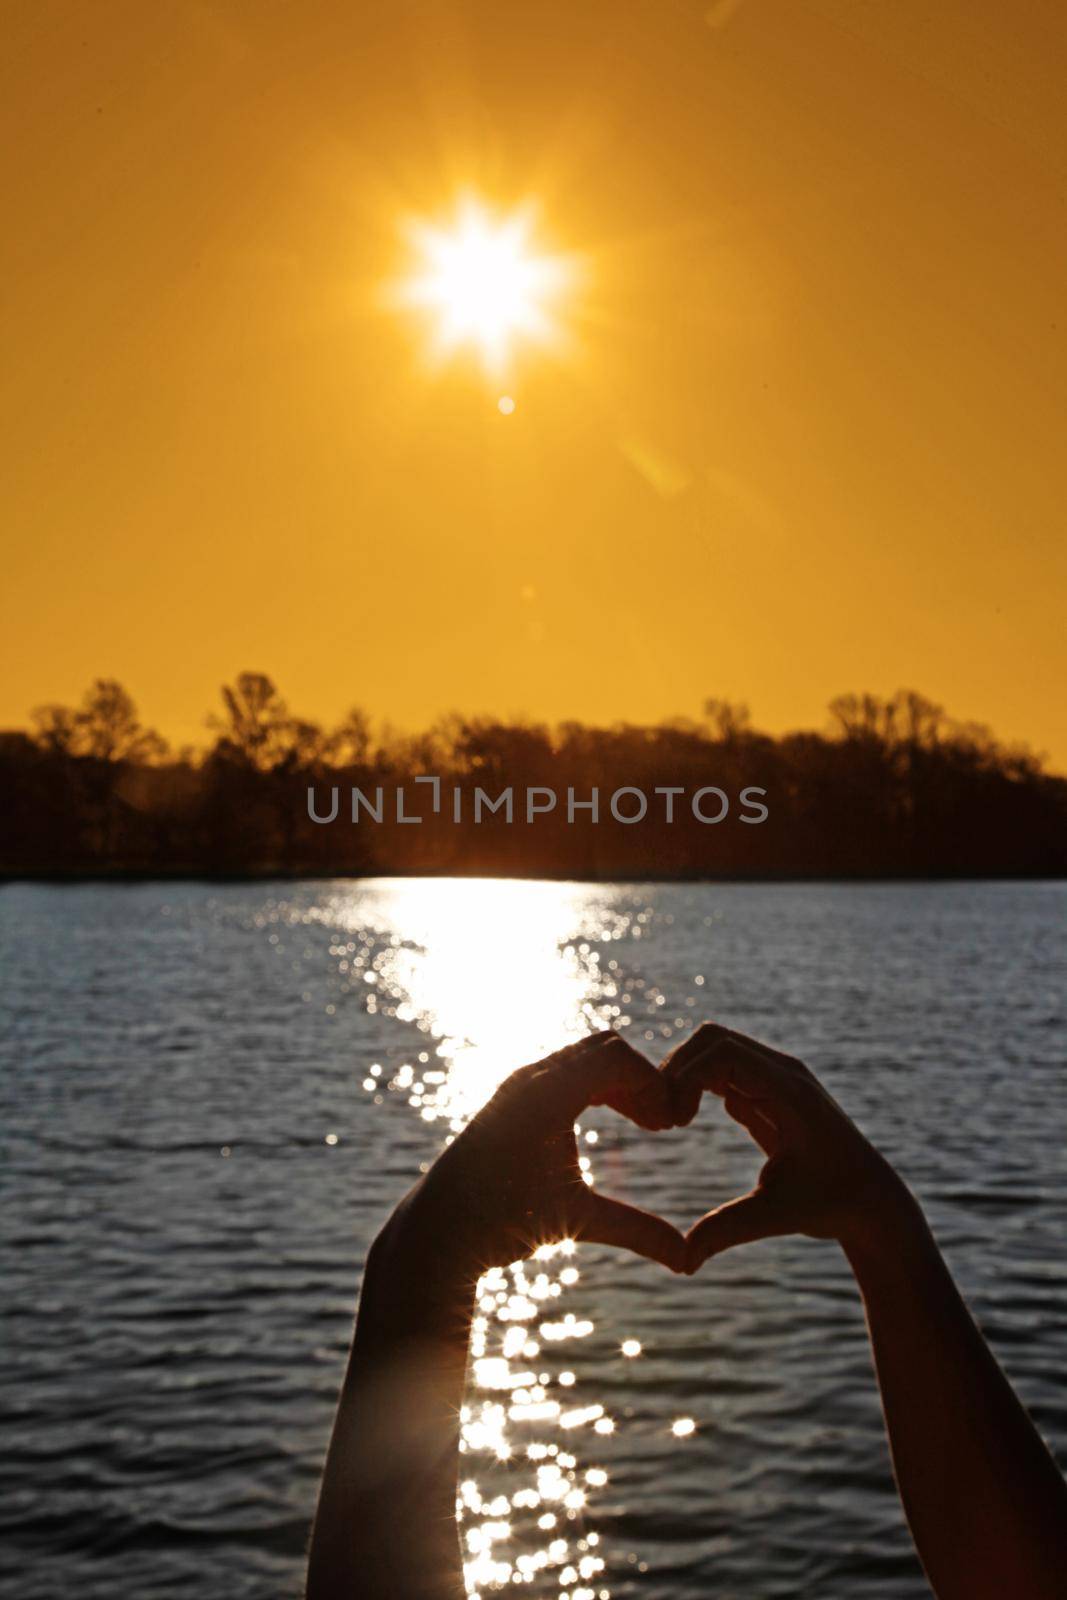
{"type": "Point", "coordinates": [985, 1502]}
{"type": "Point", "coordinates": [385, 1525]}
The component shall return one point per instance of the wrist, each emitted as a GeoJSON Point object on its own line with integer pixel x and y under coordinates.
{"type": "Point", "coordinates": [892, 1233]}
{"type": "Point", "coordinates": [888, 1221]}
{"type": "Point", "coordinates": [417, 1269]}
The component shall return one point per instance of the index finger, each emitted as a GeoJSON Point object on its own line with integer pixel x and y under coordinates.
{"type": "Point", "coordinates": [674, 1067]}
{"type": "Point", "coordinates": [728, 1063]}
{"type": "Point", "coordinates": [701, 1039]}
{"type": "Point", "coordinates": [609, 1072]}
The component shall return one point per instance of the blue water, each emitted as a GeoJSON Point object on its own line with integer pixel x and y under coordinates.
{"type": "Point", "coordinates": [210, 1097]}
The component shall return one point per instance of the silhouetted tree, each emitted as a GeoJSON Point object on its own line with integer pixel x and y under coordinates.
{"type": "Point", "coordinates": [105, 727]}
{"type": "Point", "coordinates": [256, 730]}
{"type": "Point", "coordinates": [729, 721]}
{"type": "Point", "coordinates": [109, 728]}
{"type": "Point", "coordinates": [55, 729]}
{"type": "Point", "coordinates": [895, 788]}
{"type": "Point", "coordinates": [349, 745]}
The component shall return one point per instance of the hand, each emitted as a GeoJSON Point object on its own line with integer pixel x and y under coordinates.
{"type": "Point", "coordinates": [822, 1177]}
{"type": "Point", "coordinates": [511, 1181]}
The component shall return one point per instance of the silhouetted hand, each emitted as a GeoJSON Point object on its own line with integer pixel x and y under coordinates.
{"type": "Point", "coordinates": [822, 1177]}
{"type": "Point", "coordinates": [385, 1528]}
{"type": "Point", "coordinates": [984, 1499]}
{"type": "Point", "coordinates": [511, 1181]}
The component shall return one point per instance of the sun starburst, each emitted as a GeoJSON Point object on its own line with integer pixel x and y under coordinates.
{"type": "Point", "coordinates": [482, 284]}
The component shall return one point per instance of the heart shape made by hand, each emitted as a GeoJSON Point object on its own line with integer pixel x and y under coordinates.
{"type": "Point", "coordinates": [821, 1176]}
{"type": "Point", "coordinates": [512, 1179]}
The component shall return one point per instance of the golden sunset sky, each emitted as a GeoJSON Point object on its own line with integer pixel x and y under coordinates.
{"type": "Point", "coordinates": [802, 430]}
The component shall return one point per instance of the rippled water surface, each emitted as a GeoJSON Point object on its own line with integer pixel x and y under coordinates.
{"type": "Point", "coordinates": [210, 1098]}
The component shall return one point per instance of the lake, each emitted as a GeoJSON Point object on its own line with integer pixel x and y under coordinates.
{"type": "Point", "coordinates": [212, 1095]}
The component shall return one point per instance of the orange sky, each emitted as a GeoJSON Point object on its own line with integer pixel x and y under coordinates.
{"type": "Point", "coordinates": [807, 435]}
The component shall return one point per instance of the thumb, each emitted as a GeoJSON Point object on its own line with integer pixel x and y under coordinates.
{"type": "Point", "coordinates": [758, 1215]}
{"type": "Point", "coordinates": [614, 1222]}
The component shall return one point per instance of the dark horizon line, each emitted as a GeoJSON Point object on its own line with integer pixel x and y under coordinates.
{"type": "Point", "coordinates": [130, 878]}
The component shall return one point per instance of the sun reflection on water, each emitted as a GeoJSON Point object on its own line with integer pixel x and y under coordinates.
{"type": "Point", "coordinates": [497, 973]}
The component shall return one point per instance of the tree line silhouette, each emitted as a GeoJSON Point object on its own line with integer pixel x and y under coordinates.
{"type": "Point", "coordinates": [892, 788]}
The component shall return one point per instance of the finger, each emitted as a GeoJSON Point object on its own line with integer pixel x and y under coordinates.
{"type": "Point", "coordinates": [768, 1050]}
{"type": "Point", "coordinates": [686, 1092]}
{"type": "Point", "coordinates": [676, 1061]}
{"type": "Point", "coordinates": [750, 1115]}
{"type": "Point", "coordinates": [539, 1076]}
{"type": "Point", "coordinates": [729, 1064]}
{"type": "Point", "coordinates": [709, 1034]}
{"type": "Point", "coordinates": [512, 1087]}
{"type": "Point", "coordinates": [614, 1222]}
{"type": "Point", "coordinates": [611, 1073]}
{"type": "Point", "coordinates": [755, 1216]}
{"type": "Point", "coordinates": [579, 1047]}
{"type": "Point", "coordinates": [686, 1096]}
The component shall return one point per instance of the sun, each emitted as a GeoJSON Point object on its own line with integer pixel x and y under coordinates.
{"type": "Point", "coordinates": [483, 285]}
